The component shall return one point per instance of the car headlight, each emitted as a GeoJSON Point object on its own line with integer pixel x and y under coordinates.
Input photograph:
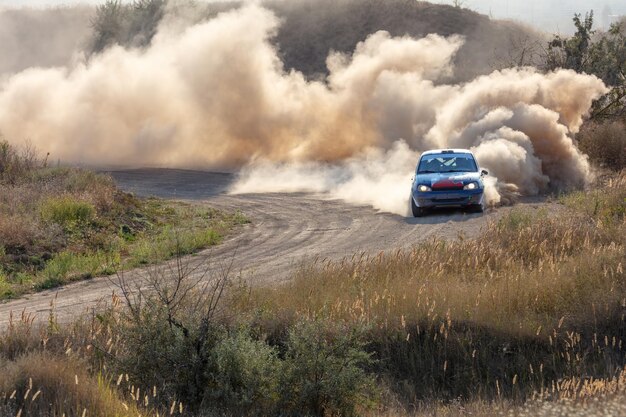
{"type": "Point", "coordinates": [471, 186]}
{"type": "Point", "coordinates": [423, 188]}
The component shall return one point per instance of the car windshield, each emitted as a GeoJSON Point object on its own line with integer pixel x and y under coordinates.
{"type": "Point", "coordinates": [447, 163]}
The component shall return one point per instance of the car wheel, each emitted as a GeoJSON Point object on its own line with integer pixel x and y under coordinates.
{"type": "Point", "coordinates": [476, 208]}
{"type": "Point", "coordinates": [416, 211]}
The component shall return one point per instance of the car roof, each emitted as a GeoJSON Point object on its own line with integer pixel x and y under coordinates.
{"type": "Point", "coordinates": [446, 151]}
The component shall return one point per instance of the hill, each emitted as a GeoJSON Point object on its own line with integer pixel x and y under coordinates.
{"type": "Point", "coordinates": [310, 30]}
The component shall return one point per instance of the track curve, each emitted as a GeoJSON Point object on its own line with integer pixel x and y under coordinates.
{"type": "Point", "coordinates": [285, 230]}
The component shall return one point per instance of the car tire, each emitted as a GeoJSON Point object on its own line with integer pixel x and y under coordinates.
{"type": "Point", "coordinates": [476, 208]}
{"type": "Point", "coordinates": [416, 211]}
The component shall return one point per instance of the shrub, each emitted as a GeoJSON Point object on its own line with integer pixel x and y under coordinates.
{"type": "Point", "coordinates": [605, 143]}
{"type": "Point", "coordinates": [154, 352]}
{"type": "Point", "coordinates": [19, 234]}
{"type": "Point", "coordinates": [325, 370]}
{"type": "Point", "coordinates": [245, 374]}
{"type": "Point", "coordinates": [16, 164]}
{"type": "Point", "coordinates": [174, 334]}
{"type": "Point", "coordinates": [168, 330]}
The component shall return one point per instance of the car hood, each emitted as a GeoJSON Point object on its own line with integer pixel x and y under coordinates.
{"type": "Point", "coordinates": [447, 179]}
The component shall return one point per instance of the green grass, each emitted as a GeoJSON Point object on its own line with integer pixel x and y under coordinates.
{"type": "Point", "coordinates": [5, 288]}
{"type": "Point", "coordinates": [67, 212]}
{"type": "Point", "coordinates": [160, 231]}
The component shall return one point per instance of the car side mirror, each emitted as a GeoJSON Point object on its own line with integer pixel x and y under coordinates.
{"type": "Point", "coordinates": [484, 172]}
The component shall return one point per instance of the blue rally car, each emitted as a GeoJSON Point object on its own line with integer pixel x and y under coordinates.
{"type": "Point", "coordinates": [447, 178]}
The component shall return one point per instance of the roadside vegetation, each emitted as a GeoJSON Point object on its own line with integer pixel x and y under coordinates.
{"type": "Point", "coordinates": [605, 143]}
{"type": "Point", "coordinates": [59, 225]}
{"type": "Point", "coordinates": [603, 54]}
{"type": "Point", "coordinates": [526, 319]}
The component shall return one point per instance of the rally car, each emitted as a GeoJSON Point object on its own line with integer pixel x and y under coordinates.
{"type": "Point", "coordinates": [447, 178]}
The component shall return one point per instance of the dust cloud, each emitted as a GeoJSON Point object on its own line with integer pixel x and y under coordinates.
{"type": "Point", "coordinates": [48, 37]}
{"type": "Point", "coordinates": [375, 177]}
{"type": "Point", "coordinates": [215, 95]}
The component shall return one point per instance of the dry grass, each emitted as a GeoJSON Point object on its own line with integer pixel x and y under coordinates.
{"type": "Point", "coordinates": [523, 272]}
{"type": "Point", "coordinates": [40, 384]}
{"type": "Point", "coordinates": [528, 319]}
{"type": "Point", "coordinates": [49, 370]}
{"type": "Point", "coordinates": [535, 274]}
{"type": "Point", "coordinates": [40, 379]}
{"type": "Point", "coordinates": [591, 398]}
{"type": "Point", "coordinates": [533, 300]}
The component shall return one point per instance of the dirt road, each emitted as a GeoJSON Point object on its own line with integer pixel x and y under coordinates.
{"type": "Point", "coordinates": [285, 230]}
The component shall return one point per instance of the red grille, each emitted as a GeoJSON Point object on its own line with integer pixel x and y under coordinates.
{"type": "Point", "coordinates": [448, 184]}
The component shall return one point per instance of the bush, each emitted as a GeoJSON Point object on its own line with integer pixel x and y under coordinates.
{"type": "Point", "coordinates": [155, 352]}
{"type": "Point", "coordinates": [14, 165]}
{"type": "Point", "coordinates": [325, 370]}
{"type": "Point", "coordinates": [167, 331]}
{"type": "Point", "coordinates": [174, 334]}
{"type": "Point", "coordinates": [605, 143]}
{"type": "Point", "coordinates": [245, 374]}
{"type": "Point", "coordinates": [19, 234]}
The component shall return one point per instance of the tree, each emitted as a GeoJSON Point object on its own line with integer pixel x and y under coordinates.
{"type": "Point", "coordinates": [126, 24]}
{"type": "Point", "coordinates": [572, 53]}
{"type": "Point", "coordinates": [609, 59]}
{"type": "Point", "coordinates": [599, 54]}
{"type": "Point", "coordinates": [108, 24]}
{"type": "Point", "coordinates": [524, 51]}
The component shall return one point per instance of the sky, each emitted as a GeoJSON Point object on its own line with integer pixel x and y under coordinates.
{"type": "Point", "coordinates": [552, 16]}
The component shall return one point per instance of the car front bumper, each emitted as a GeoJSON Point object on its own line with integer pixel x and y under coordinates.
{"type": "Point", "coordinates": [460, 198]}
